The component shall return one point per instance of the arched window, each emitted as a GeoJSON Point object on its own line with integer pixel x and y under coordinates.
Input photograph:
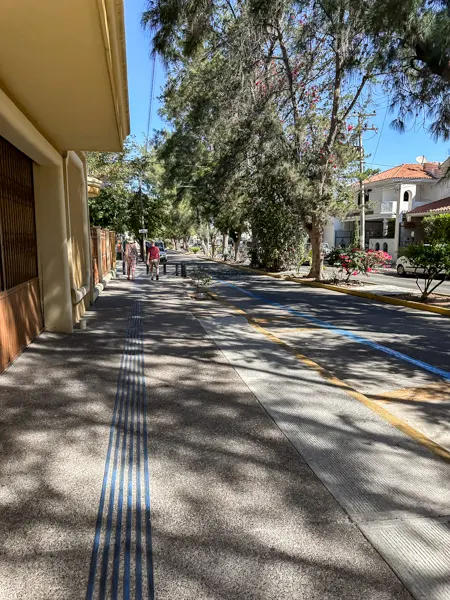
{"type": "Point", "coordinates": [385, 247]}
{"type": "Point", "coordinates": [406, 196]}
{"type": "Point", "coordinates": [377, 246]}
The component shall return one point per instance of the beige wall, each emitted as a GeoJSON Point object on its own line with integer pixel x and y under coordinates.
{"type": "Point", "coordinates": [62, 221]}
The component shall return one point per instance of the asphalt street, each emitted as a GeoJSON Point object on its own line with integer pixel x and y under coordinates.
{"type": "Point", "coordinates": [392, 354]}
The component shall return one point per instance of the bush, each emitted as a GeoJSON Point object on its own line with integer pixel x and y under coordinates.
{"type": "Point", "coordinates": [200, 277]}
{"type": "Point", "coordinates": [195, 249]}
{"type": "Point", "coordinates": [434, 260]}
{"type": "Point", "coordinates": [354, 261]}
{"type": "Point", "coordinates": [437, 229]}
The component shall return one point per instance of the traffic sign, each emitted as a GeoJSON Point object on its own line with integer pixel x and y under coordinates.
{"type": "Point", "coordinates": [143, 230]}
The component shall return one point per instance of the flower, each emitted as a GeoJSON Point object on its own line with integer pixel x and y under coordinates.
{"type": "Point", "coordinates": [350, 127]}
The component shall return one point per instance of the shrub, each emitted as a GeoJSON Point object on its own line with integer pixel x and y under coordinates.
{"type": "Point", "coordinates": [434, 260]}
{"type": "Point", "coordinates": [200, 277]}
{"type": "Point", "coordinates": [195, 249]}
{"type": "Point", "coordinates": [354, 261]}
{"type": "Point", "coordinates": [437, 229]}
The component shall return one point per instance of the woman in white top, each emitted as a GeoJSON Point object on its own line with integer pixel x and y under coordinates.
{"type": "Point", "coordinates": [131, 256]}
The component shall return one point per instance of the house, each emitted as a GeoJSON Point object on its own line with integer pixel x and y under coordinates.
{"type": "Point", "coordinates": [63, 91]}
{"type": "Point", "coordinates": [391, 197]}
{"type": "Point", "coordinates": [414, 217]}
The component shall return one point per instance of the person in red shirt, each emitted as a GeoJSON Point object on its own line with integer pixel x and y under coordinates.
{"type": "Point", "coordinates": [153, 259]}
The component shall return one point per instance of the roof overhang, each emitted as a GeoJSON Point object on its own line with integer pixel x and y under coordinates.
{"type": "Point", "coordinates": [429, 213]}
{"type": "Point", "coordinates": [64, 66]}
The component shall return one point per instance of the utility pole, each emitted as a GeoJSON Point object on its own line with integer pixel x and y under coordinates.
{"type": "Point", "coordinates": [361, 128]}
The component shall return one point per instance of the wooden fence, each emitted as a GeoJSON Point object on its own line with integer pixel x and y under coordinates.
{"type": "Point", "coordinates": [103, 244]}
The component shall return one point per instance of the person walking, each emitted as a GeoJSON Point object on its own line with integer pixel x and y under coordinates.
{"type": "Point", "coordinates": [153, 259]}
{"type": "Point", "coordinates": [131, 257]}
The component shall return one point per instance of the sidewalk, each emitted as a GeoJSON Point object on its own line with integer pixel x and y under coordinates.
{"type": "Point", "coordinates": [236, 512]}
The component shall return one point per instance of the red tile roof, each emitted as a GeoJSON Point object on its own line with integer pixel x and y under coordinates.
{"type": "Point", "coordinates": [432, 207]}
{"type": "Point", "coordinates": [405, 171]}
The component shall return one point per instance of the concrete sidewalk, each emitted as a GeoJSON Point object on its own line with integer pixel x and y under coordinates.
{"type": "Point", "coordinates": [144, 410]}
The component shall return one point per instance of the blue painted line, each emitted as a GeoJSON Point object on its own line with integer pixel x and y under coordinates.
{"type": "Point", "coordinates": [98, 527]}
{"type": "Point", "coordinates": [104, 568]}
{"type": "Point", "coordinates": [127, 565]}
{"type": "Point", "coordinates": [345, 333]}
{"type": "Point", "coordinates": [138, 554]}
{"type": "Point", "coordinates": [148, 529]}
{"type": "Point", "coordinates": [118, 528]}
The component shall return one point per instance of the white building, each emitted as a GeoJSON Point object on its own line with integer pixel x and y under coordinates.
{"type": "Point", "coordinates": [390, 196]}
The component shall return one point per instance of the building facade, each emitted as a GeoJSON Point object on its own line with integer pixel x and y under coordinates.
{"type": "Point", "coordinates": [390, 197]}
{"type": "Point", "coordinates": [63, 91]}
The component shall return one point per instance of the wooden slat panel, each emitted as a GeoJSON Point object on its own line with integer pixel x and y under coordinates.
{"type": "Point", "coordinates": [17, 219]}
{"type": "Point", "coordinates": [20, 306]}
{"type": "Point", "coordinates": [20, 320]}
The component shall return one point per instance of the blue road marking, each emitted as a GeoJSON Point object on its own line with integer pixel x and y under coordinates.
{"type": "Point", "coordinates": [345, 333]}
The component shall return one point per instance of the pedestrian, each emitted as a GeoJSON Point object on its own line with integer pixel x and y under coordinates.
{"type": "Point", "coordinates": [153, 259]}
{"type": "Point", "coordinates": [131, 256]}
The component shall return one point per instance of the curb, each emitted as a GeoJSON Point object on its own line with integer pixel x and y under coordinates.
{"type": "Point", "coordinates": [334, 288]}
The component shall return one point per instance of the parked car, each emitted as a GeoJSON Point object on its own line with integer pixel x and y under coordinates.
{"type": "Point", "coordinates": [162, 252]}
{"type": "Point", "coordinates": [403, 266]}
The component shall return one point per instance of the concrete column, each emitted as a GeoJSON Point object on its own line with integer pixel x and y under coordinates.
{"type": "Point", "coordinates": [398, 220]}
{"type": "Point", "coordinates": [98, 234]}
{"type": "Point", "coordinates": [51, 230]}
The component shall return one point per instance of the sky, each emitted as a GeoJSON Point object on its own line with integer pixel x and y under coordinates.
{"type": "Point", "coordinates": [384, 149]}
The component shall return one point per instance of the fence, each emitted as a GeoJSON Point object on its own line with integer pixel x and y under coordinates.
{"type": "Point", "coordinates": [20, 304]}
{"type": "Point", "coordinates": [103, 245]}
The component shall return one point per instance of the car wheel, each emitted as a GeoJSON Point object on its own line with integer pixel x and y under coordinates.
{"type": "Point", "coordinates": [401, 270]}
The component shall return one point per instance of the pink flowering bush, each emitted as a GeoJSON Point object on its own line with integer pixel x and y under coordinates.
{"type": "Point", "coordinates": [354, 261]}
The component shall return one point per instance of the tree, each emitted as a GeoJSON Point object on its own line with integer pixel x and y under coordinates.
{"type": "Point", "coordinates": [437, 228]}
{"type": "Point", "coordinates": [132, 194]}
{"type": "Point", "coordinates": [411, 42]}
{"type": "Point", "coordinates": [250, 76]}
{"type": "Point", "coordinates": [434, 261]}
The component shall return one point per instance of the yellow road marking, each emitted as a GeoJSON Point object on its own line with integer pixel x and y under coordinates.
{"type": "Point", "coordinates": [434, 392]}
{"type": "Point", "coordinates": [374, 406]}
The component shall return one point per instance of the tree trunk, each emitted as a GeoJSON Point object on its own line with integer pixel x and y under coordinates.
{"type": "Point", "coordinates": [225, 245]}
{"type": "Point", "coordinates": [237, 243]}
{"type": "Point", "coordinates": [316, 239]}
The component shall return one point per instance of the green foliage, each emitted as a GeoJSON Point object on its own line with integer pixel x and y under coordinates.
{"type": "Point", "coordinates": [257, 88]}
{"type": "Point", "coordinates": [354, 261]}
{"type": "Point", "coordinates": [132, 194]}
{"type": "Point", "coordinates": [434, 260]}
{"type": "Point", "coordinates": [437, 228]}
{"type": "Point", "coordinates": [278, 234]}
{"type": "Point", "coordinates": [195, 249]}
{"type": "Point", "coordinates": [200, 277]}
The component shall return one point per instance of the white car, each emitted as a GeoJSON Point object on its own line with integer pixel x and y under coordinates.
{"type": "Point", "coordinates": [403, 266]}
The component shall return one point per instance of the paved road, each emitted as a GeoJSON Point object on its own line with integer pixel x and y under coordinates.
{"type": "Point", "coordinates": [344, 334]}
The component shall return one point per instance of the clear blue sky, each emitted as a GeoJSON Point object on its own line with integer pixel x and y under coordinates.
{"type": "Point", "coordinates": [393, 148]}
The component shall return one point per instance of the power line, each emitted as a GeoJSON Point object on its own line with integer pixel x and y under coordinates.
{"type": "Point", "coordinates": [379, 139]}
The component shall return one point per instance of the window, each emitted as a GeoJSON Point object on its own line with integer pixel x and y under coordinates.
{"type": "Point", "coordinates": [406, 196]}
{"type": "Point", "coordinates": [385, 247]}
{"type": "Point", "coordinates": [377, 246]}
